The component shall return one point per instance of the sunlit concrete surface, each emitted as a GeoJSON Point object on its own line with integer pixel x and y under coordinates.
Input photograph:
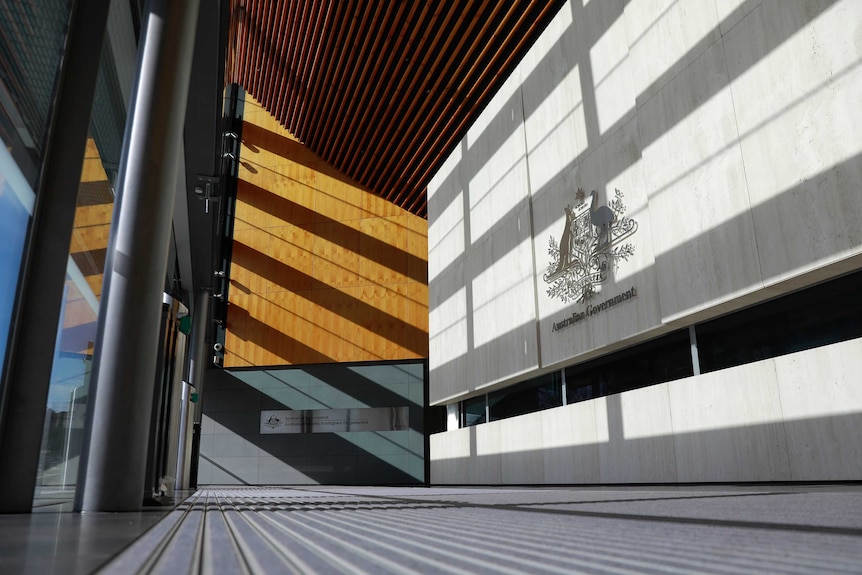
{"type": "Point", "coordinates": [706, 529]}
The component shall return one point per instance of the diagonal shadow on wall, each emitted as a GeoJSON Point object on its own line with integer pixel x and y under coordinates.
{"type": "Point", "coordinates": [317, 292]}
{"type": "Point", "coordinates": [246, 455]}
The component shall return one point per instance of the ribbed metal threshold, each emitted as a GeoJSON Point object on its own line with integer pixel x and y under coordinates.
{"type": "Point", "coordinates": [276, 530]}
{"type": "Point", "coordinates": [511, 531]}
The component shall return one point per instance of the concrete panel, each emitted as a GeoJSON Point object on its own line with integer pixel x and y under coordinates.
{"type": "Point", "coordinates": [615, 165]}
{"type": "Point", "coordinates": [448, 335]}
{"type": "Point", "coordinates": [486, 467]}
{"type": "Point", "coordinates": [634, 434]}
{"type": "Point", "coordinates": [570, 454]}
{"type": "Point", "coordinates": [447, 236]}
{"type": "Point", "coordinates": [699, 205]}
{"type": "Point", "coordinates": [610, 69]}
{"type": "Point", "coordinates": [555, 127]}
{"type": "Point", "coordinates": [665, 37]}
{"type": "Point", "coordinates": [521, 442]}
{"type": "Point", "coordinates": [821, 400]}
{"type": "Point", "coordinates": [503, 305]}
{"type": "Point", "coordinates": [727, 425]}
{"type": "Point", "coordinates": [449, 454]}
{"type": "Point", "coordinates": [557, 432]}
{"type": "Point", "coordinates": [797, 104]}
{"type": "Point", "coordinates": [495, 166]}
{"type": "Point", "coordinates": [730, 12]}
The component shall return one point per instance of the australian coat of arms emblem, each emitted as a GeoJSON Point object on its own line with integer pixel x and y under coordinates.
{"type": "Point", "coordinates": [591, 245]}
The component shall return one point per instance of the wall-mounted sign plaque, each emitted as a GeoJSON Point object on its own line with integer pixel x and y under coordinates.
{"type": "Point", "coordinates": [331, 420]}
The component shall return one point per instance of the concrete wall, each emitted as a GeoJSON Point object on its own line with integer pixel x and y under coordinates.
{"type": "Point", "coordinates": [796, 417]}
{"type": "Point", "coordinates": [234, 452]}
{"type": "Point", "coordinates": [730, 128]}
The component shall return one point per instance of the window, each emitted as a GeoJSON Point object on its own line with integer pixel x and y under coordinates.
{"type": "Point", "coordinates": [816, 316]}
{"type": "Point", "coordinates": [663, 359]}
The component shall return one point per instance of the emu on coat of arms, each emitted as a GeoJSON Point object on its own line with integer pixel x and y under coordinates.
{"type": "Point", "coordinates": [591, 243]}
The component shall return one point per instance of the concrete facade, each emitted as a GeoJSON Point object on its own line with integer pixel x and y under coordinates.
{"type": "Point", "coordinates": [727, 132]}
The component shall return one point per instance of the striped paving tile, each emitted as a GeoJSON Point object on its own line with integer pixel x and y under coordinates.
{"type": "Point", "coordinates": [507, 531]}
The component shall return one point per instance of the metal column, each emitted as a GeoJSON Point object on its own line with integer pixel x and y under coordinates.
{"type": "Point", "coordinates": [199, 356]}
{"type": "Point", "coordinates": [115, 448]}
{"type": "Point", "coordinates": [22, 408]}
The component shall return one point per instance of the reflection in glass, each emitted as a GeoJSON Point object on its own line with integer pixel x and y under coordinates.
{"type": "Point", "coordinates": [473, 411]}
{"type": "Point", "coordinates": [820, 315]}
{"type": "Point", "coordinates": [535, 395]}
{"type": "Point", "coordinates": [16, 205]}
{"type": "Point", "coordinates": [32, 35]}
{"type": "Point", "coordinates": [76, 334]}
{"type": "Point", "coordinates": [663, 359]}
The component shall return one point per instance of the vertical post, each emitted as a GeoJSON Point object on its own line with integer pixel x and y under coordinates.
{"type": "Point", "coordinates": [453, 419]}
{"type": "Point", "coordinates": [563, 386]}
{"type": "Point", "coordinates": [199, 355]}
{"type": "Point", "coordinates": [695, 359]}
{"type": "Point", "coordinates": [112, 474]}
{"type": "Point", "coordinates": [38, 314]}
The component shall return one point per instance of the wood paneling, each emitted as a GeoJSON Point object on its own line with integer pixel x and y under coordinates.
{"type": "Point", "coordinates": [323, 270]}
{"type": "Point", "coordinates": [380, 90]}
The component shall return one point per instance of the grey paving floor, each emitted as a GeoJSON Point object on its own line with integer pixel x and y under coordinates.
{"type": "Point", "coordinates": [729, 529]}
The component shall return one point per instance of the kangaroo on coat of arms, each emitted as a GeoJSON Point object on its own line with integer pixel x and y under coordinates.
{"type": "Point", "coordinates": [589, 246]}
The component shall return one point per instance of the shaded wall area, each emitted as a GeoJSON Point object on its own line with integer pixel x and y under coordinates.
{"type": "Point", "coordinates": [234, 451]}
{"type": "Point", "coordinates": [795, 417]}
{"type": "Point", "coordinates": [322, 271]}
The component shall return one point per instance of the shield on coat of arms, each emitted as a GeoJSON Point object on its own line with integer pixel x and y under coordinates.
{"type": "Point", "coordinates": [589, 247]}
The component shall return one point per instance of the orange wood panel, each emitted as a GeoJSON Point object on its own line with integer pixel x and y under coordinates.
{"type": "Point", "coordinates": [291, 247]}
{"type": "Point", "coordinates": [323, 271]}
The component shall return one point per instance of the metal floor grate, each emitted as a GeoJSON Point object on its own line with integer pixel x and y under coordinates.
{"type": "Point", "coordinates": [418, 531]}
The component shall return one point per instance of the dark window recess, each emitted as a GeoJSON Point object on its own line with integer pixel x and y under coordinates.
{"type": "Point", "coordinates": [473, 411]}
{"type": "Point", "coordinates": [534, 395]}
{"type": "Point", "coordinates": [816, 316]}
{"type": "Point", "coordinates": [663, 359]}
{"type": "Point", "coordinates": [435, 419]}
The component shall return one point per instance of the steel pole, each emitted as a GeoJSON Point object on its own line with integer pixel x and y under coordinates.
{"type": "Point", "coordinates": [113, 466]}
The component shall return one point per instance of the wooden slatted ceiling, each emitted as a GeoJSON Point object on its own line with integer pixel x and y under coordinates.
{"type": "Point", "coordinates": [381, 89]}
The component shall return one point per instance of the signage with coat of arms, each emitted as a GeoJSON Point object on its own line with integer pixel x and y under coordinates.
{"type": "Point", "coordinates": [591, 244]}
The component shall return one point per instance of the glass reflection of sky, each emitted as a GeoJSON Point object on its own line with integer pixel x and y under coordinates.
{"type": "Point", "coordinates": [16, 204]}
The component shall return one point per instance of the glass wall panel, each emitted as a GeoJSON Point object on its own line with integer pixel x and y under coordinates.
{"type": "Point", "coordinates": [76, 334]}
{"type": "Point", "coordinates": [820, 315]}
{"type": "Point", "coordinates": [534, 395]}
{"type": "Point", "coordinates": [16, 206]}
{"type": "Point", "coordinates": [32, 35]}
{"type": "Point", "coordinates": [473, 411]}
{"type": "Point", "coordinates": [663, 359]}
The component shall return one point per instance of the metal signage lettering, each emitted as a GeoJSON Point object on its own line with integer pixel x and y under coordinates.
{"type": "Point", "coordinates": [332, 420]}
